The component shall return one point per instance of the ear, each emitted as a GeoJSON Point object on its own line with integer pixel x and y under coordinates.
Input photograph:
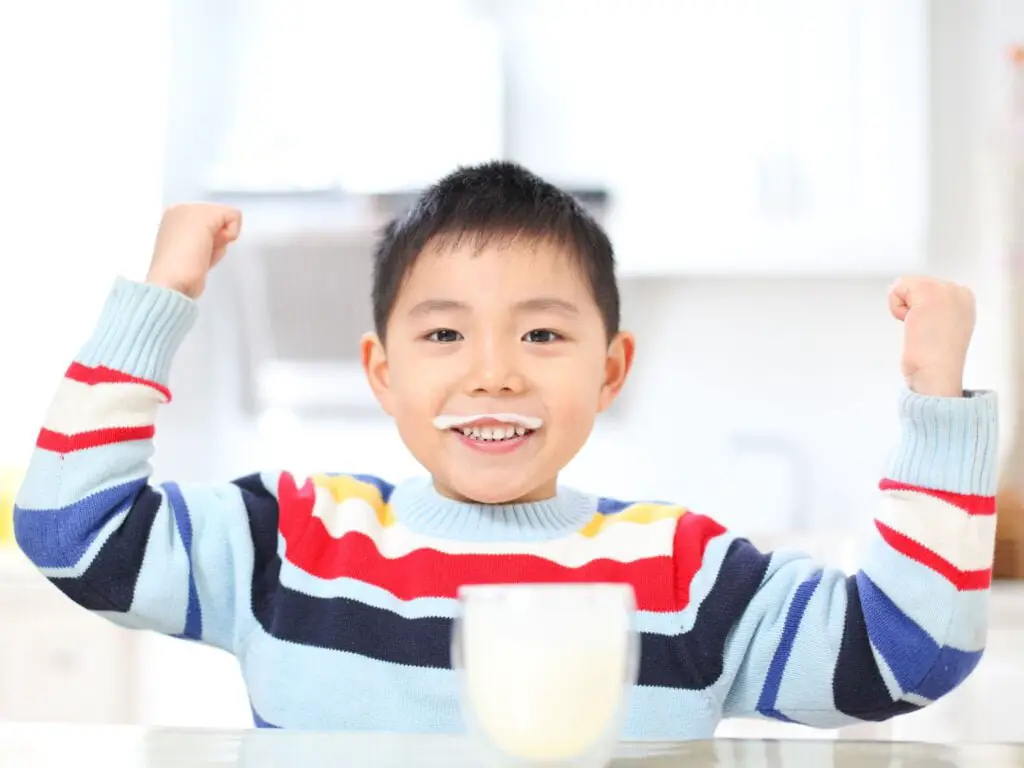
{"type": "Point", "coordinates": [616, 368]}
{"type": "Point", "coordinates": [375, 366]}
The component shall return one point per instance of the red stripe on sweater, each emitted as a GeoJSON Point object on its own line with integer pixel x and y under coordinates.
{"type": "Point", "coordinates": [428, 573]}
{"type": "Point", "coordinates": [49, 440]}
{"type": "Point", "coordinates": [295, 506]}
{"type": "Point", "coordinates": [103, 375]}
{"type": "Point", "coordinates": [962, 580]}
{"type": "Point", "coordinates": [693, 533]}
{"type": "Point", "coordinates": [972, 505]}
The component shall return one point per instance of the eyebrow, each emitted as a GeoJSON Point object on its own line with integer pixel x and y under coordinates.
{"type": "Point", "coordinates": [539, 304]}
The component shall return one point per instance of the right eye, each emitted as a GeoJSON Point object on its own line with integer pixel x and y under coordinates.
{"type": "Point", "coordinates": [444, 336]}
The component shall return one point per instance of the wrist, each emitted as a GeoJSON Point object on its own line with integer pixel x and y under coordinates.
{"type": "Point", "coordinates": [139, 331]}
{"type": "Point", "coordinates": [937, 385]}
{"type": "Point", "coordinates": [184, 287]}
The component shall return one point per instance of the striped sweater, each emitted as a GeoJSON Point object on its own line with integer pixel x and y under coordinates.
{"type": "Point", "coordinates": [336, 592]}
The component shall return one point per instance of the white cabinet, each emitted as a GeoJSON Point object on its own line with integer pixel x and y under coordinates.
{"type": "Point", "coordinates": [58, 663]}
{"type": "Point", "coordinates": [735, 137]}
{"type": "Point", "coordinates": [368, 98]}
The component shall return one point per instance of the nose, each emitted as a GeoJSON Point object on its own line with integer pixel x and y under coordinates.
{"type": "Point", "coordinates": [495, 370]}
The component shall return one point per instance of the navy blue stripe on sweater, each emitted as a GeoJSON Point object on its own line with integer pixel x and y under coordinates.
{"type": "Point", "coordinates": [58, 538]}
{"type": "Point", "coordinates": [108, 584]}
{"type": "Point", "coordinates": [693, 660]}
{"type": "Point", "coordinates": [857, 685]}
{"type": "Point", "coordinates": [920, 665]}
{"type": "Point", "coordinates": [737, 581]}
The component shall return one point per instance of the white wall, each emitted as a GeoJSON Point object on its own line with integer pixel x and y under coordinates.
{"type": "Point", "coordinates": [809, 366]}
{"type": "Point", "coordinates": [814, 362]}
{"type": "Point", "coordinates": [80, 183]}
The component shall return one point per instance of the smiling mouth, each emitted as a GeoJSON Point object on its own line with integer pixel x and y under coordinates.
{"type": "Point", "coordinates": [493, 434]}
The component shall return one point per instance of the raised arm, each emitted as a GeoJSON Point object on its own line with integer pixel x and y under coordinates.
{"type": "Point", "coordinates": [169, 557]}
{"type": "Point", "coordinates": [816, 646]}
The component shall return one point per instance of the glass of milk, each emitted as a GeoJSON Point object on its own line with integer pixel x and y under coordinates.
{"type": "Point", "coordinates": [545, 670]}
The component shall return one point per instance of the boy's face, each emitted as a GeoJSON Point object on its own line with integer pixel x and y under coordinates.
{"type": "Point", "coordinates": [509, 328]}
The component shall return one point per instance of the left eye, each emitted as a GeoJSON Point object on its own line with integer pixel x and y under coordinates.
{"type": "Point", "coordinates": [541, 336]}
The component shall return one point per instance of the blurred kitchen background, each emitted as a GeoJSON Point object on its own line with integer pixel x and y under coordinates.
{"type": "Point", "coordinates": [765, 168]}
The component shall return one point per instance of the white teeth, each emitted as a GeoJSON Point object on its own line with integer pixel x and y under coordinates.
{"type": "Point", "coordinates": [446, 421]}
{"type": "Point", "coordinates": [493, 433]}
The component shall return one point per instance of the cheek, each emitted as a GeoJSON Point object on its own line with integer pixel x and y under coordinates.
{"type": "Point", "coordinates": [574, 389]}
{"type": "Point", "coordinates": [420, 388]}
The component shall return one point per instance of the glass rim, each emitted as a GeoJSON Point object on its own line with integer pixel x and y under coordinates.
{"type": "Point", "coordinates": [493, 590]}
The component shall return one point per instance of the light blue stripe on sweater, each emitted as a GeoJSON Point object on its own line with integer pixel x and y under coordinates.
{"type": "Point", "coordinates": [54, 480]}
{"type": "Point", "coordinates": [892, 685]}
{"type": "Point", "coordinates": [161, 591]}
{"type": "Point", "coordinates": [222, 560]}
{"type": "Point", "coordinates": [183, 520]}
{"type": "Point", "coordinates": [317, 688]}
{"type": "Point", "coordinates": [656, 714]}
{"type": "Point", "coordinates": [928, 598]}
{"type": "Point", "coordinates": [324, 689]}
{"type": "Point", "coordinates": [767, 703]}
{"type": "Point", "coordinates": [916, 700]}
{"type": "Point", "coordinates": [948, 443]}
{"type": "Point", "coordinates": [752, 645]}
{"type": "Point", "coordinates": [140, 328]}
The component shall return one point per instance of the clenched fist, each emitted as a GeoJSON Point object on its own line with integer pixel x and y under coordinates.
{"type": "Point", "coordinates": [939, 321]}
{"type": "Point", "coordinates": [193, 237]}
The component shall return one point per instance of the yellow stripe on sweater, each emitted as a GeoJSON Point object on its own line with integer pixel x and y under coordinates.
{"type": "Point", "coordinates": [343, 487]}
{"type": "Point", "coordinates": [641, 514]}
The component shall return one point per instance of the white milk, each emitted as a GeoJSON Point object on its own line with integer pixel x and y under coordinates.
{"type": "Point", "coordinates": [546, 668]}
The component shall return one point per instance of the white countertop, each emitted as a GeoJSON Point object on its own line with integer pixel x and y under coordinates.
{"type": "Point", "coordinates": [29, 746]}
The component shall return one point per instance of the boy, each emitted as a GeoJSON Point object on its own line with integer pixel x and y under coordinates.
{"type": "Point", "coordinates": [497, 342]}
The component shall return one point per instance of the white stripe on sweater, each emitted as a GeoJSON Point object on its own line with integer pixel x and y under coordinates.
{"type": "Point", "coordinates": [624, 542]}
{"type": "Point", "coordinates": [80, 407]}
{"type": "Point", "coordinates": [965, 541]}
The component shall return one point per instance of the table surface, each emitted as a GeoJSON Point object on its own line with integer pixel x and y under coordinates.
{"type": "Point", "coordinates": [37, 745]}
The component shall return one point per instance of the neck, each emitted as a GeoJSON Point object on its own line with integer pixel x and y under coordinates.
{"type": "Point", "coordinates": [419, 505]}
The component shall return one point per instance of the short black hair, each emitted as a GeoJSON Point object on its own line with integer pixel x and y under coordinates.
{"type": "Point", "coordinates": [494, 199]}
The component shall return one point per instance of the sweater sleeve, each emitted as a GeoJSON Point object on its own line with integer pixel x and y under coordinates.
{"type": "Point", "coordinates": [812, 645]}
{"type": "Point", "coordinates": [177, 559]}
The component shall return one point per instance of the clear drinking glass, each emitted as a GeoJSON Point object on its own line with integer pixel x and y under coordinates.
{"type": "Point", "coordinates": [545, 670]}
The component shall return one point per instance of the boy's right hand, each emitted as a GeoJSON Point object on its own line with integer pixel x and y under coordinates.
{"type": "Point", "coordinates": [193, 237]}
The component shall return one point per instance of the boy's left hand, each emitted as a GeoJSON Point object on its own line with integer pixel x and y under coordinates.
{"type": "Point", "coordinates": [939, 321]}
